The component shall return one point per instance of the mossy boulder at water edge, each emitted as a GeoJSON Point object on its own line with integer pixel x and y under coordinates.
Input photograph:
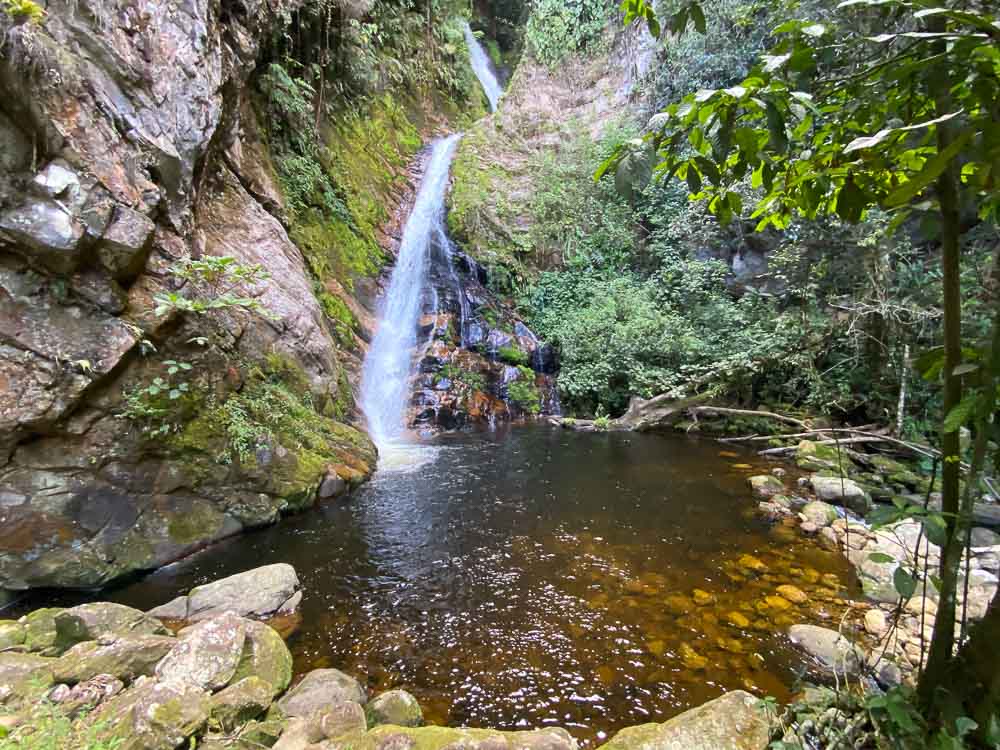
{"type": "Point", "coordinates": [88, 622]}
{"type": "Point", "coordinates": [265, 655]}
{"type": "Point", "coordinates": [734, 721]}
{"type": "Point", "coordinates": [321, 688]}
{"type": "Point", "coordinates": [815, 456]}
{"type": "Point", "coordinates": [394, 707]}
{"type": "Point", "coordinates": [124, 657]}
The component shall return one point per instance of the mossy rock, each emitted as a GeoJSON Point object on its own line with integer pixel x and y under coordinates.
{"type": "Point", "coordinates": [12, 634]}
{"type": "Point", "coordinates": [394, 707]}
{"type": "Point", "coordinates": [240, 702]}
{"type": "Point", "coordinates": [40, 630]}
{"type": "Point", "coordinates": [813, 456]}
{"type": "Point", "coordinates": [266, 656]}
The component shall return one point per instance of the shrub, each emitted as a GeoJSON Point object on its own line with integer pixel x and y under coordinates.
{"type": "Point", "coordinates": [524, 392]}
{"type": "Point", "coordinates": [512, 355]}
{"type": "Point", "coordinates": [558, 28]}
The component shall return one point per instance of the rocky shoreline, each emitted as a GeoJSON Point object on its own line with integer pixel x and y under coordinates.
{"type": "Point", "coordinates": [885, 636]}
{"type": "Point", "coordinates": [208, 670]}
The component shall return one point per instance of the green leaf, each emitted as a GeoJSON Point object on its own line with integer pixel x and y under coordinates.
{"type": "Point", "coordinates": [693, 180]}
{"type": "Point", "coordinates": [851, 202]}
{"type": "Point", "coordinates": [930, 172]}
{"type": "Point", "coordinates": [881, 557]}
{"type": "Point", "coordinates": [904, 582]}
{"type": "Point", "coordinates": [698, 17]}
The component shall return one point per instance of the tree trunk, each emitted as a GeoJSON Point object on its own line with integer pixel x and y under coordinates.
{"type": "Point", "coordinates": [943, 638]}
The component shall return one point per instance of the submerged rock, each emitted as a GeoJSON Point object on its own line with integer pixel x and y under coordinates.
{"type": "Point", "coordinates": [733, 721]}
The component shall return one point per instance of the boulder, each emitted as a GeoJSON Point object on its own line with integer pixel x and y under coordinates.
{"type": "Point", "coordinates": [875, 622]}
{"type": "Point", "coordinates": [388, 737]}
{"type": "Point", "coordinates": [983, 537]}
{"type": "Point", "coordinates": [319, 690]}
{"type": "Point", "coordinates": [25, 676]}
{"type": "Point", "coordinates": [833, 652]}
{"type": "Point", "coordinates": [88, 622]}
{"type": "Point", "coordinates": [265, 655]}
{"type": "Point", "coordinates": [765, 486]}
{"type": "Point", "coordinates": [40, 629]}
{"type": "Point", "coordinates": [260, 593]}
{"type": "Point", "coordinates": [125, 657]}
{"type": "Point", "coordinates": [842, 492]}
{"type": "Point", "coordinates": [240, 702]}
{"type": "Point", "coordinates": [342, 719]}
{"type": "Point", "coordinates": [207, 654]}
{"type": "Point", "coordinates": [813, 456]}
{"type": "Point", "coordinates": [51, 232]}
{"type": "Point", "coordinates": [394, 707]}
{"type": "Point", "coordinates": [819, 513]}
{"type": "Point", "coordinates": [153, 715]}
{"type": "Point", "coordinates": [85, 696]}
{"type": "Point", "coordinates": [733, 721]}
{"type": "Point", "coordinates": [12, 634]}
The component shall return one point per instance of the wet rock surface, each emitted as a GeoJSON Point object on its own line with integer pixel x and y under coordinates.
{"type": "Point", "coordinates": [117, 170]}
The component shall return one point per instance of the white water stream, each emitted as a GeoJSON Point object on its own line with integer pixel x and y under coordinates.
{"type": "Point", "coordinates": [388, 367]}
{"type": "Point", "coordinates": [483, 68]}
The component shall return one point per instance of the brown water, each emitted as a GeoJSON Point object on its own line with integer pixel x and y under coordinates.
{"type": "Point", "coordinates": [543, 577]}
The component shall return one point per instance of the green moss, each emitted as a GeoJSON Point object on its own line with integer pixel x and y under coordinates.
{"type": "Point", "coordinates": [524, 392]}
{"type": "Point", "coordinates": [341, 316]}
{"type": "Point", "coordinates": [274, 408]}
{"type": "Point", "coordinates": [513, 356]}
{"type": "Point", "coordinates": [194, 523]}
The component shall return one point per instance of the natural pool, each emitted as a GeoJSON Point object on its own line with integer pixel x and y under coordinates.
{"type": "Point", "coordinates": [538, 576]}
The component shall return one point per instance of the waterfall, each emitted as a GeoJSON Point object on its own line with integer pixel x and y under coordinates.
{"type": "Point", "coordinates": [389, 364]}
{"type": "Point", "coordinates": [483, 68]}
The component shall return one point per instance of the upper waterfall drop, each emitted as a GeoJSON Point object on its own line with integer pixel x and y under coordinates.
{"type": "Point", "coordinates": [483, 69]}
{"type": "Point", "coordinates": [389, 364]}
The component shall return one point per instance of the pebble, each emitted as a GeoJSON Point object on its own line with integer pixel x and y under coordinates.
{"type": "Point", "coordinates": [793, 594]}
{"type": "Point", "coordinates": [738, 620]}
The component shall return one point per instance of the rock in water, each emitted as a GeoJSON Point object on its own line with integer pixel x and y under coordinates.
{"type": "Point", "coordinates": [819, 514]}
{"type": "Point", "coordinates": [318, 690]}
{"type": "Point", "coordinates": [260, 593]}
{"type": "Point", "coordinates": [833, 652]}
{"type": "Point", "coordinates": [733, 721]}
{"type": "Point", "coordinates": [765, 486]}
{"type": "Point", "coordinates": [842, 492]}
{"type": "Point", "coordinates": [395, 707]}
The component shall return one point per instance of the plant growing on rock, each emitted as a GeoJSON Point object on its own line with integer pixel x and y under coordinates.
{"type": "Point", "coordinates": [523, 391]}
{"type": "Point", "coordinates": [24, 10]}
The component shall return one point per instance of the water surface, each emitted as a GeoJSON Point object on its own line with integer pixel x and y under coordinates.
{"type": "Point", "coordinates": [541, 577]}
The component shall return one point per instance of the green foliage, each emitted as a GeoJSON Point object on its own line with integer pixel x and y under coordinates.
{"type": "Point", "coordinates": [558, 28]}
{"type": "Point", "coordinates": [341, 316]}
{"type": "Point", "coordinates": [524, 392]}
{"type": "Point", "coordinates": [154, 407]}
{"type": "Point", "coordinates": [512, 355]}
{"type": "Point", "coordinates": [212, 282]}
{"type": "Point", "coordinates": [473, 381]}
{"type": "Point", "coordinates": [47, 727]}
{"type": "Point", "coordinates": [24, 10]}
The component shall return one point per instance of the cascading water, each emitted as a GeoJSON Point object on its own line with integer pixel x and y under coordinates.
{"type": "Point", "coordinates": [389, 365]}
{"type": "Point", "coordinates": [483, 69]}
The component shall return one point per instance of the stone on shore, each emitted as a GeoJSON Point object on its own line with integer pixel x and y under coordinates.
{"type": "Point", "coordinates": [88, 622]}
{"type": "Point", "coordinates": [240, 702]}
{"type": "Point", "coordinates": [265, 655]}
{"type": "Point", "coordinates": [319, 690]}
{"type": "Point", "coordinates": [207, 654]}
{"type": "Point", "coordinates": [842, 491]}
{"type": "Point", "coordinates": [258, 593]}
{"type": "Point", "coordinates": [834, 653]}
{"type": "Point", "coordinates": [394, 707]}
{"type": "Point", "coordinates": [765, 486]}
{"type": "Point", "coordinates": [733, 721]}
{"type": "Point", "coordinates": [125, 657]}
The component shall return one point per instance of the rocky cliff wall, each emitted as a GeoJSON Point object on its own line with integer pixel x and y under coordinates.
{"type": "Point", "coordinates": [128, 144]}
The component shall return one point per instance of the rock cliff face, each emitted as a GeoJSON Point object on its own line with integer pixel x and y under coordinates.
{"type": "Point", "coordinates": [128, 144]}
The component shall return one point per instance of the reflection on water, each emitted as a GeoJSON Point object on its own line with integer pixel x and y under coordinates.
{"type": "Point", "coordinates": [545, 578]}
